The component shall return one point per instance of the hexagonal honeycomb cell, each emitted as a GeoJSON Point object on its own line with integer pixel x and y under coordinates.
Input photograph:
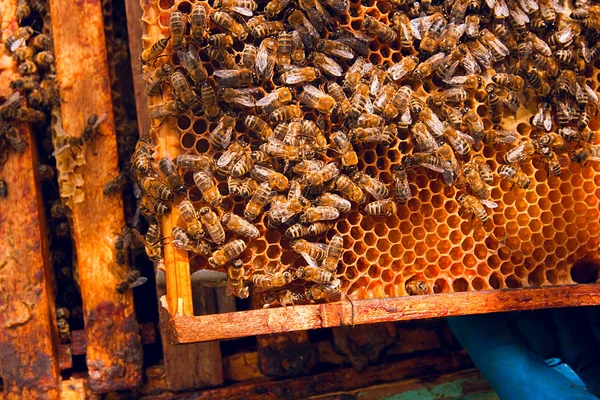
{"type": "Point", "coordinates": [532, 238]}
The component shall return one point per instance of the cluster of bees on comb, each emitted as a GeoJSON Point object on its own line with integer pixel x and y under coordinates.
{"type": "Point", "coordinates": [293, 98]}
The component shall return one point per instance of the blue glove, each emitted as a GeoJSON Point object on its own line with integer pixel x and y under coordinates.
{"type": "Point", "coordinates": [520, 354]}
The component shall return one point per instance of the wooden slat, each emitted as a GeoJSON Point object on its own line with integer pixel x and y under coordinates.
{"type": "Point", "coordinates": [28, 353]}
{"type": "Point", "coordinates": [114, 352]}
{"type": "Point", "coordinates": [363, 344]}
{"type": "Point", "coordinates": [260, 322]}
{"type": "Point", "coordinates": [285, 354]}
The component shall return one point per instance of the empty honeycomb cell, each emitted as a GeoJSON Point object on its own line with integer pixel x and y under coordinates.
{"type": "Point", "coordinates": [187, 141]}
{"type": "Point", "coordinates": [370, 239]}
{"type": "Point", "coordinates": [494, 261]}
{"type": "Point", "coordinates": [499, 219]}
{"type": "Point", "coordinates": [581, 222]}
{"type": "Point", "coordinates": [460, 285]}
{"type": "Point", "coordinates": [183, 122]}
{"type": "Point", "coordinates": [408, 257]}
{"type": "Point", "coordinates": [469, 260]}
{"type": "Point", "coordinates": [444, 246]}
{"type": "Point", "coordinates": [544, 203]}
{"type": "Point", "coordinates": [420, 249]}
{"type": "Point", "coordinates": [478, 283]}
{"type": "Point", "coordinates": [420, 264]}
{"type": "Point", "coordinates": [520, 271]}
{"type": "Point", "coordinates": [466, 227]}
{"type": "Point", "coordinates": [343, 227]}
{"type": "Point", "coordinates": [527, 248]}
{"type": "Point", "coordinates": [362, 265]}
{"type": "Point", "coordinates": [372, 254]}
{"type": "Point", "coordinates": [360, 248]}
{"type": "Point", "coordinates": [394, 236]}
{"type": "Point", "coordinates": [457, 269]}
{"type": "Point", "coordinates": [199, 127]}
{"type": "Point", "coordinates": [273, 236]}
{"type": "Point", "coordinates": [453, 221]}
{"type": "Point", "coordinates": [467, 244]}
{"type": "Point", "coordinates": [516, 258]}
{"type": "Point", "coordinates": [431, 240]}
{"type": "Point", "coordinates": [585, 271]}
{"type": "Point", "coordinates": [481, 252]}
{"type": "Point", "coordinates": [510, 212]}
{"type": "Point", "coordinates": [495, 280]}
{"type": "Point", "coordinates": [354, 217]}
{"type": "Point", "coordinates": [419, 233]}
{"type": "Point", "coordinates": [512, 227]}
{"type": "Point", "coordinates": [184, 7]}
{"type": "Point", "coordinates": [580, 208]}
{"type": "Point", "coordinates": [559, 224]}
{"type": "Point", "coordinates": [356, 233]}
{"type": "Point", "coordinates": [374, 272]}
{"type": "Point", "coordinates": [561, 252]}
{"type": "Point", "coordinates": [202, 146]}
{"type": "Point", "coordinates": [408, 242]}
{"type": "Point", "coordinates": [381, 230]}
{"type": "Point", "coordinates": [273, 252]}
{"type": "Point", "coordinates": [383, 245]}
{"type": "Point", "coordinates": [513, 282]}
{"type": "Point", "coordinates": [569, 216]}
{"type": "Point", "coordinates": [442, 231]}
{"type": "Point", "coordinates": [523, 219]}
{"type": "Point", "coordinates": [591, 200]}
{"type": "Point", "coordinates": [194, 194]}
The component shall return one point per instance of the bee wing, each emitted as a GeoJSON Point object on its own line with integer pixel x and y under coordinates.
{"type": "Point", "coordinates": [369, 105]}
{"type": "Point", "coordinates": [519, 16]}
{"type": "Point", "coordinates": [373, 192]}
{"type": "Point", "coordinates": [490, 3]}
{"type": "Point", "coordinates": [403, 187]}
{"type": "Point", "coordinates": [433, 167]}
{"type": "Point", "coordinates": [100, 120]}
{"type": "Point", "coordinates": [246, 12]}
{"type": "Point", "coordinates": [406, 117]}
{"type": "Point", "coordinates": [398, 71]}
{"type": "Point", "coordinates": [229, 290]}
{"type": "Point", "coordinates": [139, 282]}
{"type": "Point", "coordinates": [313, 91]}
{"type": "Point", "coordinates": [470, 64]}
{"type": "Point", "coordinates": [497, 45]}
{"type": "Point", "coordinates": [14, 97]}
{"type": "Point", "coordinates": [488, 203]}
{"type": "Point", "coordinates": [501, 9]}
{"type": "Point", "coordinates": [293, 76]}
{"type": "Point", "coordinates": [268, 99]}
{"type": "Point", "coordinates": [508, 137]}
{"type": "Point", "coordinates": [16, 44]}
{"type": "Point", "coordinates": [449, 176]}
{"type": "Point", "coordinates": [466, 137]}
{"type": "Point", "coordinates": [345, 53]}
{"type": "Point", "coordinates": [261, 173]}
{"type": "Point", "coordinates": [225, 73]}
{"type": "Point", "coordinates": [591, 93]}
{"type": "Point", "coordinates": [226, 158]}
{"type": "Point", "coordinates": [295, 190]}
{"type": "Point", "coordinates": [529, 6]}
{"type": "Point", "coordinates": [330, 66]}
{"type": "Point", "coordinates": [481, 53]}
{"type": "Point", "coordinates": [244, 100]}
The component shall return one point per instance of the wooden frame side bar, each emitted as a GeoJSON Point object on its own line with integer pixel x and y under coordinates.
{"type": "Point", "coordinates": [261, 322]}
{"type": "Point", "coordinates": [28, 334]}
{"type": "Point", "coordinates": [114, 352]}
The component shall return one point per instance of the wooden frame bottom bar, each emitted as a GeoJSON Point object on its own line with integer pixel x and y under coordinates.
{"type": "Point", "coordinates": [189, 329]}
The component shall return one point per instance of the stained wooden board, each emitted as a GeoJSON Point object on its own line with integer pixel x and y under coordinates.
{"type": "Point", "coordinates": [114, 352]}
{"type": "Point", "coordinates": [28, 353]}
{"type": "Point", "coordinates": [188, 329]}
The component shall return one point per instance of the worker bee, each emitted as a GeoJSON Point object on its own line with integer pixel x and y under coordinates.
{"type": "Point", "coordinates": [550, 158]}
{"type": "Point", "coordinates": [485, 172]}
{"type": "Point", "coordinates": [239, 225]}
{"type": "Point", "coordinates": [275, 7]}
{"type": "Point", "coordinates": [152, 242]}
{"type": "Point", "coordinates": [155, 79]}
{"type": "Point", "coordinates": [471, 173]}
{"type": "Point", "coordinates": [356, 72]}
{"type": "Point", "coordinates": [330, 292]}
{"type": "Point", "coordinates": [177, 26]}
{"type": "Point", "coordinates": [273, 101]}
{"type": "Point", "coordinates": [133, 279]}
{"type": "Point", "coordinates": [184, 92]}
{"type": "Point", "coordinates": [205, 182]}
{"type": "Point", "coordinates": [275, 179]}
{"type": "Point", "coordinates": [228, 23]}
{"type": "Point", "coordinates": [284, 298]}
{"type": "Point", "coordinates": [429, 66]}
{"type": "Point", "coordinates": [3, 189]}
{"type": "Point", "coordinates": [448, 162]}
{"type": "Point", "coordinates": [153, 205]}
{"type": "Point", "coordinates": [167, 109]}
{"type": "Point", "coordinates": [321, 176]}
{"type": "Point", "coordinates": [182, 241]}
{"type": "Point", "coordinates": [221, 56]}
{"type": "Point", "coordinates": [416, 287]}
{"type": "Point", "coordinates": [153, 52]}
{"type": "Point", "coordinates": [271, 279]}
{"type": "Point", "coordinates": [319, 213]}
{"type": "Point", "coordinates": [430, 39]}
{"type": "Point", "coordinates": [235, 281]}
{"type": "Point", "coordinates": [333, 200]}
{"type": "Point", "coordinates": [498, 135]}
{"type": "Point", "coordinates": [415, 160]}
{"type": "Point", "coordinates": [197, 23]}
{"type": "Point", "coordinates": [382, 31]}
{"type": "Point", "coordinates": [23, 10]}
{"type": "Point", "coordinates": [234, 78]}
{"type": "Point", "coordinates": [344, 147]}
{"type": "Point", "coordinates": [385, 207]}
{"type": "Point", "coordinates": [193, 65]}
{"type": "Point", "coordinates": [402, 192]}
{"type": "Point", "coordinates": [314, 273]}
{"type": "Point", "coordinates": [519, 153]}
{"type": "Point", "coordinates": [193, 162]}
{"type": "Point", "coordinates": [432, 121]}
{"type": "Point", "coordinates": [335, 49]}
{"type": "Point", "coordinates": [227, 253]}
{"type": "Point", "coordinates": [590, 152]}
{"type": "Point", "coordinates": [373, 186]}
{"type": "Point", "coordinates": [297, 231]}
{"type": "Point", "coordinates": [258, 126]}
{"type": "Point", "coordinates": [266, 28]}
{"type": "Point", "coordinates": [115, 184]}
{"type": "Point", "coordinates": [284, 49]}
{"type": "Point", "coordinates": [496, 47]}
{"type": "Point", "coordinates": [553, 140]}
{"type": "Point", "coordinates": [476, 206]}
{"type": "Point", "coordinates": [157, 189]}
{"type": "Point", "coordinates": [309, 250]}
{"type": "Point", "coordinates": [18, 39]}
{"type": "Point", "coordinates": [169, 171]}
{"type": "Point", "coordinates": [64, 330]}
{"type": "Point", "coordinates": [453, 115]}
{"type": "Point", "coordinates": [221, 136]}
{"type": "Point", "coordinates": [259, 199]}
{"type": "Point", "coordinates": [458, 140]}
{"type": "Point", "coordinates": [265, 58]}
{"type": "Point", "coordinates": [242, 7]}
{"type": "Point", "coordinates": [402, 24]}
{"type": "Point", "coordinates": [189, 217]}
{"type": "Point", "coordinates": [348, 188]}
{"type": "Point", "coordinates": [509, 81]}
{"type": "Point", "coordinates": [23, 53]}
{"type": "Point", "coordinates": [316, 99]}
{"type": "Point", "coordinates": [41, 42]}
{"type": "Point", "coordinates": [285, 113]}
{"type": "Point", "coordinates": [316, 14]}
{"type": "Point", "coordinates": [306, 30]}
{"type": "Point", "coordinates": [513, 174]}
{"type": "Point", "coordinates": [296, 76]}
{"type": "Point", "coordinates": [211, 223]}
{"type": "Point", "coordinates": [542, 119]}
{"type": "Point", "coordinates": [327, 65]}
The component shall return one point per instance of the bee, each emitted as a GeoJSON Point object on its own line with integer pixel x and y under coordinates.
{"type": "Point", "coordinates": [509, 81]}
{"type": "Point", "coordinates": [371, 185]}
{"type": "Point", "coordinates": [152, 242]}
{"type": "Point", "coordinates": [265, 58]}
{"type": "Point", "coordinates": [64, 330]}
{"type": "Point", "coordinates": [209, 98]}
{"type": "Point", "coordinates": [402, 25]}
{"type": "Point", "coordinates": [584, 119]}
{"type": "Point", "coordinates": [205, 182]}
{"type": "Point", "coordinates": [235, 280]}
{"type": "Point", "coordinates": [182, 89]}
{"type": "Point", "coordinates": [496, 47]}
{"type": "Point", "coordinates": [335, 49]}
{"type": "Point", "coordinates": [333, 200]}
{"type": "Point", "coordinates": [297, 76]}
{"type": "Point", "coordinates": [26, 83]}
{"type": "Point", "coordinates": [453, 115]}
{"type": "Point", "coordinates": [309, 250]}
{"type": "Point", "coordinates": [211, 223]}
{"type": "Point", "coordinates": [284, 49]}
{"type": "Point", "coordinates": [275, 179]}
{"type": "Point", "coordinates": [329, 292]}
{"type": "Point", "coordinates": [476, 206]}
{"type": "Point", "coordinates": [190, 218]}
{"type": "Point", "coordinates": [563, 37]}
{"type": "Point", "coordinates": [307, 32]}
{"type": "Point", "coordinates": [485, 172]}
{"type": "Point", "coordinates": [198, 23]}
{"type": "Point", "coordinates": [142, 157]}
{"type": "Point", "coordinates": [228, 23]}
{"type": "Point", "coordinates": [267, 28]}
{"type": "Point", "coordinates": [239, 225]}
{"type": "Point", "coordinates": [321, 176]}
{"type": "Point", "coordinates": [231, 157]}
{"type": "Point", "coordinates": [193, 65]}
{"type": "Point", "coordinates": [319, 213]}
{"type": "Point", "coordinates": [169, 171]}
{"type": "Point", "coordinates": [282, 297]}
{"type": "Point", "coordinates": [283, 211]}
{"type": "Point", "coordinates": [18, 39]}
{"type": "Point", "coordinates": [259, 199]}
{"type": "Point", "coordinates": [458, 140]}
{"type": "Point", "coordinates": [498, 135]}
{"type": "Point", "coordinates": [316, 14]}
{"type": "Point", "coordinates": [296, 231]}
{"type": "Point", "coordinates": [193, 162]}
{"type": "Point", "coordinates": [234, 78]}
{"type": "Point", "coordinates": [153, 52]}
{"type": "Point", "coordinates": [382, 31]}
{"type": "Point", "coordinates": [221, 136]}
{"type": "Point", "coordinates": [248, 58]}
{"type": "Point", "coordinates": [316, 99]}
{"type": "Point", "coordinates": [242, 7]}
{"type": "Point", "coordinates": [427, 67]}
{"type": "Point", "coordinates": [547, 64]}
{"type": "Point", "coordinates": [170, 108]}
{"type": "Point", "coordinates": [416, 287]}
{"type": "Point", "coordinates": [275, 7]}
{"type": "Point", "coordinates": [356, 72]}
{"type": "Point", "coordinates": [177, 26]}
{"type": "Point", "coordinates": [182, 241]}
{"type": "Point", "coordinates": [553, 140]}
{"type": "Point", "coordinates": [431, 38]}
{"type": "Point", "coordinates": [258, 126]}
{"type": "Point", "coordinates": [505, 36]}
{"type": "Point", "coordinates": [285, 113]}
{"type": "Point", "coordinates": [155, 79]}
{"type": "Point", "coordinates": [590, 152]}
{"type": "Point", "coordinates": [298, 55]}
{"type": "Point", "coordinates": [385, 207]}
{"type": "Point", "coordinates": [3, 189]}
{"type": "Point", "coordinates": [348, 188]}
{"type": "Point", "coordinates": [30, 115]}
{"type": "Point", "coordinates": [227, 253]}
{"type": "Point", "coordinates": [401, 190]}
{"type": "Point", "coordinates": [157, 189]}
{"type": "Point", "coordinates": [314, 274]}
{"type": "Point", "coordinates": [23, 10]}
{"type": "Point", "coordinates": [221, 56]}
{"type": "Point", "coordinates": [474, 180]}
{"type": "Point", "coordinates": [327, 65]}
{"type": "Point", "coordinates": [550, 158]}
{"type": "Point", "coordinates": [537, 82]}
{"type": "Point", "coordinates": [271, 280]}
{"type": "Point", "coordinates": [542, 119]}
{"type": "Point", "coordinates": [23, 53]}
{"type": "Point", "coordinates": [133, 279]}
{"type": "Point", "coordinates": [452, 95]}
{"type": "Point", "coordinates": [27, 67]}
{"type": "Point", "coordinates": [274, 100]}
{"type": "Point", "coordinates": [513, 174]}
{"type": "Point", "coordinates": [344, 147]}
{"type": "Point", "coordinates": [41, 42]}
{"type": "Point", "coordinates": [18, 143]}
{"type": "Point", "coordinates": [115, 184]}
{"type": "Point", "coordinates": [519, 153]}
{"type": "Point", "coordinates": [472, 26]}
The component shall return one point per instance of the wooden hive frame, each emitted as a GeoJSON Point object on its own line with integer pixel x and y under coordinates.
{"type": "Point", "coordinates": [187, 328]}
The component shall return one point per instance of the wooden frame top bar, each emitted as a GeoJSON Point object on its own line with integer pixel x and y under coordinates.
{"type": "Point", "coordinates": [188, 329]}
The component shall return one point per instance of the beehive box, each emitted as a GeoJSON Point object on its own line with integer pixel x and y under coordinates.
{"type": "Point", "coordinates": [533, 239]}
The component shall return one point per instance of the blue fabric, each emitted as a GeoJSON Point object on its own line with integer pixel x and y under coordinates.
{"type": "Point", "coordinates": [500, 348]}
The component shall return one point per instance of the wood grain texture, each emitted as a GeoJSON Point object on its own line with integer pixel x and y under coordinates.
{"type": "Point", "coordinates": [114, 352]}
{"type": "Point", "coordinates": [285, 354]}
{"type": "Point", "coordinates": [28, 335]}
{"type": "Point", "coordinates": [260, 322]}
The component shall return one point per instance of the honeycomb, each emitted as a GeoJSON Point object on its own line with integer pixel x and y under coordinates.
{"type": "Point", "coordinates": [533, 238]}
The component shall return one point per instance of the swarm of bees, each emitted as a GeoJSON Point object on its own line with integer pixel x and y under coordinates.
{"type": "Point", "coordinates": [293, 97]}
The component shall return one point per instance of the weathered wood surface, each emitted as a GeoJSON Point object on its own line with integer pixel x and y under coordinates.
{"type": "Point", "coordinates": [114, 352]}
{"type": "Point", "coordinates": [188, 329]}
{"type": "Point", "coordinates": [28, 352]}
{"type": "Point", "coordinates": [285, 354]}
